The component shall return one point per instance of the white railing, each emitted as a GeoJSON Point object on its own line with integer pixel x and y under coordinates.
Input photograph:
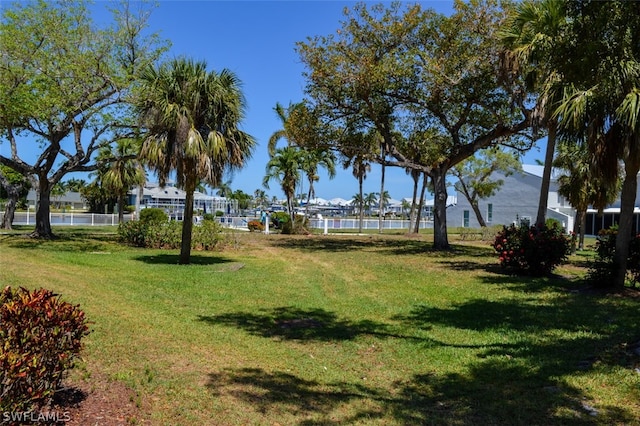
{"type": "Point", "coordinates": [326, 224]}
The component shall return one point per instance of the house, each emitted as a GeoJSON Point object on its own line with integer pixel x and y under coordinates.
{"type": "Point", "coordinates": [69, 200]}
{"type": "Point", "coordinates": [171, 200]}
{"type": "Point", "coordinates": [516, 201]}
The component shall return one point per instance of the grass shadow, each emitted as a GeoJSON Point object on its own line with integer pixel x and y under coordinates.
{"type": "Point", "coordinates": [68, 242]}
{"type": "Point", "coordinates": [491, 392]}
{"type": "Point", "coordinates": [290, 323]}
{"type": "Point", "coordinates": [173, 259]}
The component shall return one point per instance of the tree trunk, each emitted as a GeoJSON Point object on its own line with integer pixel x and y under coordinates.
{"type": "Point", "coordinates": [583, 227]}
{"type": "Point", "coordinates": [440, 237]}
{"type": "Point", "coordinates": [425, 181]}
{"type": "Point", "coordinates": [121, 201]}
{"type": "Point", "coordinates": [43, 210]}
{"type": "Point", "coordinates": [413, 212]}
{"type": "Point", "coordinates": [361, 213]}
{"type": "Point", "coordinates": [9, 211]}
{"type": "Point", "coordinates": [476, 210]}
{"type": "Point", "coordinates": [381, 201]}
{"type": "Point", "coordinates": [187, 226]}
{"type": "Point", "coordinates": [625, 226]}
{"type": "Point", "coordinates": [546, 174]}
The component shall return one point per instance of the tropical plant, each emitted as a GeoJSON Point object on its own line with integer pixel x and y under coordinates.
{"type": "Point", "coordinates": [311, 160]}
{"type": "Point", "coordinates": [284, 167]}
{"type": "Point", "coordinates": [121, 170]}
{"type": "Point", "coordinates": [192, 119]}
{"type": "Point", "coordinates": [530, 35]}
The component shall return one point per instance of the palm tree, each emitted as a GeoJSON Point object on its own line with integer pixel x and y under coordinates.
{"type": "Point", "coordinates": [260, 198]}
{"type": "Point", "coordinates": [358, 200]}
{"type": "Point", "coordinates": [369, 200]}
{"type": "Point", "coordinates": [121, 170]}
{"type": "Point", "coordinates": [531, 35]}
{"type": "Point", "coordinates": [192, 119]}
{"type": "Point", "coordinates": [359, 151]}
{"type": "Point", "coordinates": [284, 167]}
{"type": "Point", "coordinates": [223, 189]}
{"type": "Point", "coordinates": [601, 103]}
{"type": "Point", "coordinates": [311, 160]}
{"type": "Point", "coordinates": [578, 184]}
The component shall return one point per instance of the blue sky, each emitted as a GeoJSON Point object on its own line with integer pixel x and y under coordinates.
{"type": "Point", "coordinates": [256, 40]}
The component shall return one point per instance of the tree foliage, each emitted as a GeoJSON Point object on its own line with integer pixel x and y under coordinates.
{"type": "Point", "coordinates": [191, 118]}
{"type": "Point", "coordinates": [64, 84]}
{"type": "Point", "coordinates": [416, 76]}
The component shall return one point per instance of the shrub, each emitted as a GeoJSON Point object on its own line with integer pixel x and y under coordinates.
{"type": "Point", "coordinates": [601, 270]}
{"type": "Point", "coordinates": [153, 215]}
{"type": "Point", "coordinates": [168, 235]}
{"type": "Point", "coordinates": [207, 235]}
{"type": "Point", "coordinates": [279, 219]}
{"type": "Point", "coordinates": [299, 226]}
{"type": "Point", "coordinates": [534, 250]}
{"type": "Point", "coordinates": [208, 216]}
{"type": "Point", "coordinates": [255, 225]}
{"type": "Point", "coordinates": [41, 337]}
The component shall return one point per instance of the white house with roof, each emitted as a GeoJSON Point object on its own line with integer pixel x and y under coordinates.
{"type": "Point", "coordinates": [172, 199]}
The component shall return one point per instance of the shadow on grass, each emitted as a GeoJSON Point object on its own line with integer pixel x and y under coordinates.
{"type": "Point", "coordinates": [173, 259]}
{"type": "Point", "coordinates": [492, 392]}
{"type": "Point", "coordinates": [290, 323]}
{"type": "Point", "coordinates": [516, 378]}
{"type": "Point", "coordinates": [391, 245]}
{"type": "Point", "coordinates": [67, 242]}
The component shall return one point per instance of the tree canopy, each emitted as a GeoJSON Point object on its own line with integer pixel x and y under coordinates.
{"type": "Point", "coordinates": [430, 85]}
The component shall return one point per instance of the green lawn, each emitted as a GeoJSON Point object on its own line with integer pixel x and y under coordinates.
{"type": "Point", "coordinates": [339, 330]}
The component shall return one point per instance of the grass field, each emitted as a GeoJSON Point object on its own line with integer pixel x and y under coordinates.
{"type": "Point", "coordinates": [339, 330]}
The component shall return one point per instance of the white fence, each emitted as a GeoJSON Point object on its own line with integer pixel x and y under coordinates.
{"type": "Point", "coordinates": [326, 224]}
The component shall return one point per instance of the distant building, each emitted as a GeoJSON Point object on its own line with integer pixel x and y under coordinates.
{"type": "Point", "coordinates": [172, 199]}
{"type": "Point", "coordinates": [516, 201]}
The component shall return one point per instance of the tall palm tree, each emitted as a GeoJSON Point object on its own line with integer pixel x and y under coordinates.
{"type": "Point", "coordinates": [601, 103]}
{"type": "Point", "coordinates": [121, 171]}
{"type": "Point", "coordinates": [531, 34]}
{"type": "Point", "coordinates": [311, 160]}
{"type": "Point", "coordinates": [358, 154]}
{"type": "Point", "coordinates": [260, 198]}
{"type": "Point", "coordinates": [284, 167]}
{"type": "Point", "coordinates": [192, 118]}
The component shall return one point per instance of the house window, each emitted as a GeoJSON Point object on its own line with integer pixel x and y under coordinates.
{"type": "Point", "coordinates": [489, 213]}
{"type": "Point", "coordinates": [465, 218]}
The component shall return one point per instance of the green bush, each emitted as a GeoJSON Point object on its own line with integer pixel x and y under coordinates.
{"type": "Point", "coordinates": [207, 235]}
{"type": "Point", "coordinates": [153, 215]}
{"type": "Point", "coordinates": [208, 216]}
{"type": "Point", "coordinates": [534, 250]}
{"type": "Point", "coordinates": [601, 270]}
{"type": "Point", "coordinates": [40, 338]}
{"type": "Point", "coordinates": [278, 219]}
{"type": "Point", "coordinates": [168, 235]}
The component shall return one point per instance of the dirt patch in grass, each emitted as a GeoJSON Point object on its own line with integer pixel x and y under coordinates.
{"type": "Point", "coordinates": [99, 401]}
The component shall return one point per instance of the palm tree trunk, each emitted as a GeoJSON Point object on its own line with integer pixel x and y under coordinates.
{"type": "Point", "coordinates": [381, 201]}
{"type": "Point", "coordinates": [625, 226]}
{"type": "Point", "coordinates": [412, 212]}
{"type": "Point", "coordinates": [546, 174]}
{"type": "Point", "coordinates": [121, 201]}
{"type": "Point", "coordinates": [425, 181]}
{"type": "Point", "coordinates": [187, 225]}
{"type": "Point", "coordinates": [361, 213]}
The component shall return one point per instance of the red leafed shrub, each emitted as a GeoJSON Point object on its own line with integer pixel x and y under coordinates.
{"type": "Point", "coordinates": [40, 337]}
{"type": "Point", "coordinates": [534, 250]}
{"type": "Point", "coordinates": [254, 225]}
